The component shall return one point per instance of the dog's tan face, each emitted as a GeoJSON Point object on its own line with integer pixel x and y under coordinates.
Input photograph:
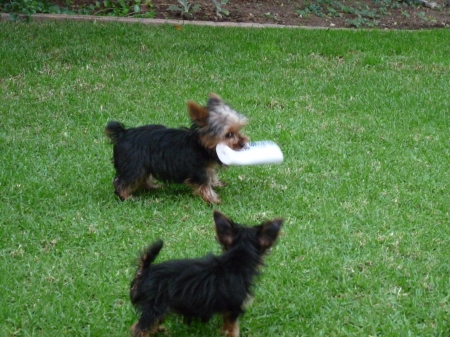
{"type": "Point", "coordinates": [219, 123]}
{"type": "Point", "coordinates": [233, 138]}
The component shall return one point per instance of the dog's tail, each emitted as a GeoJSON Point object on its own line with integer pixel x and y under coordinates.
{"type": "Point", "coordinates": [148, 256]}
{"type": "Point", "coordinates": [114, 131]}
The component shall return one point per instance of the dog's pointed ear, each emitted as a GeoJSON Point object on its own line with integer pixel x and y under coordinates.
{"type": "Point", "coordinates": [199, 115]}
{"type": "Point", "coordinates": [214, 99]}
{"type": "Point", "coordinates": [225, 229]}
{"type": "Point", "coordinates": [269, 232]}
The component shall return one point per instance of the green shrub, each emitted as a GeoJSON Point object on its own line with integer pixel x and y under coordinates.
{"type": "Point", "coordinates": [137, 8]}
{"type": "Point", "coordinates": [29, 7]}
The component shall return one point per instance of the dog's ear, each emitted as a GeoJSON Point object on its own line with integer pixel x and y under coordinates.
{"type": "Point", "coordinates": [214, 99]}
{"type": "Point", "coordinates": [225, 229]}
{"type": "Point", "coordinates": [269, 232]}
{"type": "Point", "coordinates": [199, 115]}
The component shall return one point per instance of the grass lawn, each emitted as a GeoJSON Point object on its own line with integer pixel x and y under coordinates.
{"type": "Point", "coordinates": [363, 119]}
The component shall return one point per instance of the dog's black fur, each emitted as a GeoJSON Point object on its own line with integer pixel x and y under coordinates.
{"type": "Point", "coordinates": [166, 154]}
{"type": "Point", "coordinates": [185, 155]}
{"type": "Point", "coordinates": [200, 288]}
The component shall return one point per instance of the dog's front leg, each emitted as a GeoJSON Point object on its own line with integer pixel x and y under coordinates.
{"type": "Point", "coordinates": [230, 324]}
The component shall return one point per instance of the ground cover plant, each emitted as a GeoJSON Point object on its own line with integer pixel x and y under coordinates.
{"type": "Point", "coordinates": [396, 14]}
{"type": "Point", "coordinates": [361, 116]}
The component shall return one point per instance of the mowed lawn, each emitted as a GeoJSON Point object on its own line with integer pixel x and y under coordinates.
{"type": "Point", "coordinates": [362, 117]}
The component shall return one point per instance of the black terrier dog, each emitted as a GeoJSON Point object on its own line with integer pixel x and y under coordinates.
{"type": "Point", "coordinates": [186, 155]}
{"type": "Point", "coordinates": [200, 288]}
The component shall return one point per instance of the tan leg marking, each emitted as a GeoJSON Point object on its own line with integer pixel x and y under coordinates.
{"type": "Point", "coordinates": [206, 192]}
{"type": "Point", "coordinates": [230, 327]}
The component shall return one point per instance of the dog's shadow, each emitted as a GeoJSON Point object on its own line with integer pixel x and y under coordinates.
{"type": "Point", "coordinates": [166, 191]}
{"type": "Point", "coordinates": [177, 327]}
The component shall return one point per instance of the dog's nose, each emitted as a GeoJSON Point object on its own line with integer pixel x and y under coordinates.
{"type": "Point", "coordinates": [242, 145]}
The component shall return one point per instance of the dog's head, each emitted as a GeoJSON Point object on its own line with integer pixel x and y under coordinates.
{"type": "Point", "coordinates": [262, 236]}
{"type": "Point", "coordinates": [218, 123]}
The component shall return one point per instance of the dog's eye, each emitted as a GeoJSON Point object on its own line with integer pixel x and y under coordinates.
{"type": "Point", "coordinates": [229, 135]}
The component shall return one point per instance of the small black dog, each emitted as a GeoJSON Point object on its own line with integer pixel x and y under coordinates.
{"type": "Point", "coordinates": [176, 155]}
{"type": "Point", "coordinates": [200, 288]}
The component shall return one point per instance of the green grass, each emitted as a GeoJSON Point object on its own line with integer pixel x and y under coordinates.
{"type": "Point", "coordinates": [363, 118]}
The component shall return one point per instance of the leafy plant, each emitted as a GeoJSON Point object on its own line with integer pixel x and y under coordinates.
{"type": "Point", "coordinates": [30, 7]}
{"type": "Point", "coordinates": [139, 8]}
{"type": "Point", "coordinates": [332, 12]}
{"type": "Point", "coordinates": [422, 15]}
{"type": "Point", "coordinates": [125, 8]}
{"type": "Point", "coordinates": [304, 13]}
{"type": "Point", "coordinates": [316, 8]}
{"type": "Point", "coordinates": [356, 14]}
{"type": "Point", "coordinates": [186, 9]}
{"type": "Point", "coordinates": [219, 9]}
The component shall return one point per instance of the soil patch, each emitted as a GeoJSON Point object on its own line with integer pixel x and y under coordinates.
{"type": "Point", "coordinates": [391, 14]}
{"type": "Point", "coordinates": [383, 14]}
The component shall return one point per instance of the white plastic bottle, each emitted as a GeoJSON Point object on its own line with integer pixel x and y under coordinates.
{"type": "Point", "coordinates": [255, 153]}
